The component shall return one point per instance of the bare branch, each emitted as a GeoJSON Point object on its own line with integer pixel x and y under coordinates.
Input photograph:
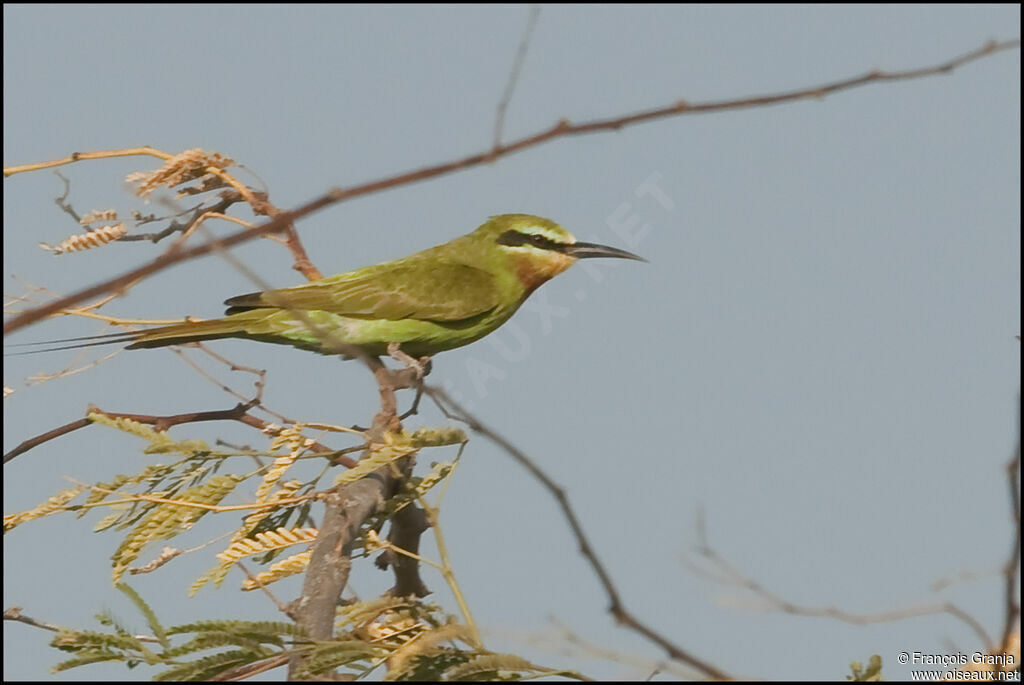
{"type": "Point", "coordinates": [62, 200]}
{"type": "Point", "coordinates": [561, 129]}
{"type": "Point", "coordinates": [237, 413]}
{"type": "Point", "coordinates": [728, 574]}
{"type": "Point", "coordinates": [82, 156]}
{"type": "Point", "coordinates": [163, 423]}
{"type": "Point", "coordinates": [513, 76]}
{"type": "Point", "coordinates": [281, 606]}
{"type": "Point", "coordinates": [347, 508]}
{"type": "Point", "coordinates": [616, 608]}
{"type": "Point", "coordinates": [26, 445]}
{"type": "Point", "coordinates": [406, 528]}
{"type": "Point", "coordinates": [302, 263]}
{"type": "Point", "coordinates": [14, 614]}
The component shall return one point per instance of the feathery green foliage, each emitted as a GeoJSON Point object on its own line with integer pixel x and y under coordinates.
{"type": "Point", "coordinates": [234, 625]}
{"type": "Point", "coordinates": [54, 504]}
{"type": "Point", "coordinates": [356, 655]}
{"type": "Point", "coordinates": [413, 639]}
{"type": "Point", "coordinates": [394, 448]}
{"type": "Point", "coordinates": [167, 520]}
{"type": "Point", "coordinates": [438, 437]}
{"type": "Point", "coordinates": [209, 667]}
{"type": "Point", "coordinates": [873, 672]}
{"type": "Point", "coordinates": [151, 620]}
{"type": "Point", "coordinates": [405, 633]}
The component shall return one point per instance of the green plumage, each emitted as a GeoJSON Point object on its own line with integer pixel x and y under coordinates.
{"type": "Point", "coordinates": [428, 302]}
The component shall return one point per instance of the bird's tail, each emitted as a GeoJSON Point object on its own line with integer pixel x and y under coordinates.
{"type": "Point", "coordinates": [190, 331]}
{"type": "Point", "coordinates": [174, 334]}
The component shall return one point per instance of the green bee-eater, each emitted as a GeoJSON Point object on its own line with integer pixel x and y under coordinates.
{"type": "Point", "coordinates": [429, 302]}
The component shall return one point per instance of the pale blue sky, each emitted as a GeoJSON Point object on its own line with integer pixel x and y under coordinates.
{"type": "Point", "coordinates": [821, 354]}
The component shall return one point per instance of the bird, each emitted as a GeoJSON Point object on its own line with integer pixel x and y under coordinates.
{"type": "Point", "coordinates": [429, 302]}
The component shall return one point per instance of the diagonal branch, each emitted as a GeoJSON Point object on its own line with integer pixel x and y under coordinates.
{"type": "Point", "coordinates": [161, 423]}
{"type": "Point", "coordinates": [561, 129]}
{"type": "Point", "coordinates": [617, 609]}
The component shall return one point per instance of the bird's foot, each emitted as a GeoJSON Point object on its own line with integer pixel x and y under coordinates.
{"type": "Point", "coordinates": [421, 366]}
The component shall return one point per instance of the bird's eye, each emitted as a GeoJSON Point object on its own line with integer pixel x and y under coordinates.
{"type": "Point", "coordinates": [516, 238]}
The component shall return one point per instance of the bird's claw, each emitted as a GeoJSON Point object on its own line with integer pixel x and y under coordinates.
{"type": "Point", "coordinates": [421, 366]}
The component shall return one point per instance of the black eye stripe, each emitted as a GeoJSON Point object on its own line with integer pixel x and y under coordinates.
{"type": "Point", "coordinates": [515, 238]}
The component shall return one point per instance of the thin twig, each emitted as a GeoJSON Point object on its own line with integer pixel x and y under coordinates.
{"type": "Point", "coordinates": [513, 77]}
{"type": "Point", "coordinates": [83, 156]}
{"type": "Point", "coordinates": [281, 606]}
{"type": "Point", "coordinates": [26, 445]}
{"type": "Point", "coordinates": [163, 423]}
{"type": "Point", "coordinates": [217, 508]}
{"type": "Point", "coordinates": [14, 614]}
{"type": "Point", "coordinates": [728, 574]}
{"type": "Point", "coordinates": [257, 201]}
{"type": "Point", "coordinates": [578, 646]}
{"type": "Point", "coordinates": [302, 263]}
{"type": "Point", "coordinates": [260, 383]}
{"type": "Point", "coordinates": [431, 512]}
{"type": "Point", "coordinates": [616, 608]}
{"type": "Point", "coordinates": [62, 201]}
{"type": "Point", "coordinates": [227, 199]}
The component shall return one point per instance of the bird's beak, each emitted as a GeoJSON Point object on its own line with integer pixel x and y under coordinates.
{"type": "Point", "coordinates": [588, 250]}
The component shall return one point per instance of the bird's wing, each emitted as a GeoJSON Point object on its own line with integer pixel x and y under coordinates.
{"type": "Point", "coordinates": [444, 291]}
